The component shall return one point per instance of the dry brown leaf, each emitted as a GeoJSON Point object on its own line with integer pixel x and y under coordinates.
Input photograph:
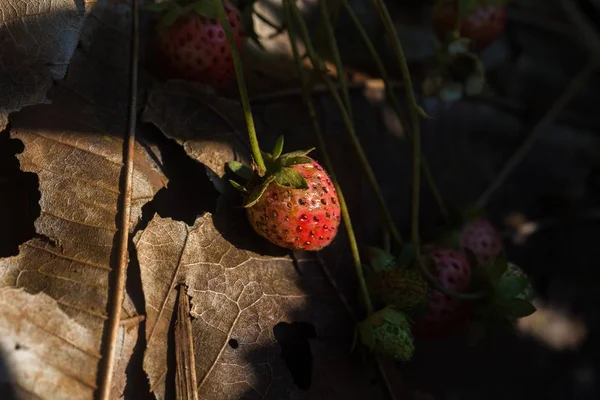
{"type": "Point", "coordinates": [60, 278]}
{"type": "Point", "coordinates": [236, 293]}
{"type": "Point", "coordinates": [211, 129]}
{"type": "Point", "coordinates": [37, 40]}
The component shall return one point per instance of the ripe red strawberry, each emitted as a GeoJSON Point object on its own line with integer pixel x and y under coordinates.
{"type": "Point", "coordinates": [296, 218]}
{"type": "Point", "coordinates": [444, 314]}
{"type": "Point", "coordinates": [194, 46]}
{"type": "Point", "coordinates": [483, 22]}
{"type": "Point", "coordinates": [295, 204]}
{"type": "Point", "coordinates": [482, 239]}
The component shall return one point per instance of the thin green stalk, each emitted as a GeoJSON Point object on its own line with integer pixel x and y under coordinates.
{"type": "Point", "coordinates": [396, 105]}
{"type": "Point", "coordinates": [328, 164]}
{"type": "Point", "coordinates": [239, 72]}
{"type": "Point", "coordinates": [330, 35]}
{"type": "Point", "coordinates": [416, 139]}
{"type": "Point", "coordinates": [414, 116]}
{"type": "Point", "coordinates": [317, 63]}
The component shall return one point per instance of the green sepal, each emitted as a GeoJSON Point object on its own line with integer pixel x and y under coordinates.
{"type": "Point", "coordinates": [158, 7]}
{"type": "Point", "coordinates": [278, 148]}
{"type": "Point", "coordinates": [240, 170]}
{"type": "Point", "coordinates": [170, 17]}
{"type": "Point", "coordinates": [518, 308]}
{"type": "Point", "coordinates": [258, 191]}
{"type": "Point", "coordinates": [379, 260]}
{"type": "Point", "coordinates": [203, 8]}
{"type": "Point", "coordinates": [297, 153]}
{"type": "Point", "coordinates": [288, 162]}
{"type": "Point", "coordinates": [237, 186]}
{"type": "Point", "coordinates": [289, 177]}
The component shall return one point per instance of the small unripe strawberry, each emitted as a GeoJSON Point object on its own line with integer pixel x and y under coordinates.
{"type": "Point", "coordinates": [387, 333]}
{"type": "Point", "coordinates": [445, 314]}
{"type": "Point", "coordinates": [404, 288]}
{"type": "Point", "coordinates": [481, 238]}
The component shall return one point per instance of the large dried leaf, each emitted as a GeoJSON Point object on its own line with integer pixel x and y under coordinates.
{"type": "Point", "coordinates": [75, 147]}
{"type": "Point", "coordinates": [236, 294]}
{"type": "Point", "coordinates": [212, 130]}
{"type": "Point", "coordinates": [37, 40]}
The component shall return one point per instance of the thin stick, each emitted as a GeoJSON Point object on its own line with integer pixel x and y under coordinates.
{"type": "Point", "coordinates": [239, 73]}
{"type": "Point", "coordinates": [543, 124]}
{"type": "Point", "coordinates": [289, 8]}
{"type": "Point", "coordinates": [185, 373]}
{"type": "Point", "coordinates": [396, 105]}
{"type": "Point", "coordinates": [386, 215]}
{"type": "Point", "coordinates": [117, 291]}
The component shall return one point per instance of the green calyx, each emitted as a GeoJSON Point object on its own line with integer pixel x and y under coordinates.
{"type": "Point", "coordinates": [395, 281]}
{"type": "Point", "coordinates": [387, 333]}
{"type": "Point", "coordinates": [279, 171]}
{"type": "Point", "coordinates": [510, 291]}
{"type": "Point", "coordinates": [172, 10]}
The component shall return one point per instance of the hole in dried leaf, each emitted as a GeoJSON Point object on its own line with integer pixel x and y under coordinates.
{"type": "Point", "coordinates": [295, 350]}
{"type": "Point", "coordinates": [190, 191]}
{"type": "Point", "coordinates": [19, 202]}
{"type": "Point", "coordinates": [233, 343]}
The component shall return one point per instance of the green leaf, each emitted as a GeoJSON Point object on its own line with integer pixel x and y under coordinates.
{"type": "Point", "coordinates": [170, 17]}
{"type": "Point", "coordinates": [498, 267]}
{"type": "Point", "coordinates": [278, 148]}
{"type": "Point", "coordinates": [204, 8]}
{"type": "Point", "coordinates": [158, 7]}
{"type": "Point", "coordinates": [509, 287]}
{"type": "Point", "coordinates": [240, 170]}
{"type": "Point", "coordinates": [237, 186]}
{"type": "Point", "coordinates": [288, 162]}
{"type": "Point", "coordinates": [291, 178]}
{"type": "Point", "coordinates": [258, 191]}
{"type": "Point", "coordinates": [519, 308]}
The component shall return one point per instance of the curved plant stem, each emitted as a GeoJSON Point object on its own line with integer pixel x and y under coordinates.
{"type": "Point", "coordinates": [414, 116]}
{"type": "Point", "coordinates": [396, 105]}
{"type": "Point", "coordinates": [117, 288]}
{"type": "Point", "coordinates": [239, 73]}
{"type": "Point", "coordinates": [317, 63]}
{"type": "Point", "coordinates": [317, 129]}
{"type": "Point", "coordinates": [415, 112]}
{"type": "Point", "coordinates": [330, 35]}
{"type": "Point", "coordinates": [548, 118]}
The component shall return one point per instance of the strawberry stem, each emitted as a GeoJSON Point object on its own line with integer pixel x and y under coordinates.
{"type": "Point", "coordinates": [396, 105]}
{"type": "Point", "coordinates": [415, 111]}
{"type": "Point", "coordinates": [330, 36]}
{"type": "Point", "coordinates": [239, 73]}
{"type": "Point", "coordinates": [329, 165]}
{"type": "Point", "coordinates": [317, 64]}
{"type": "Point", "coordinates": [414, 116]}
